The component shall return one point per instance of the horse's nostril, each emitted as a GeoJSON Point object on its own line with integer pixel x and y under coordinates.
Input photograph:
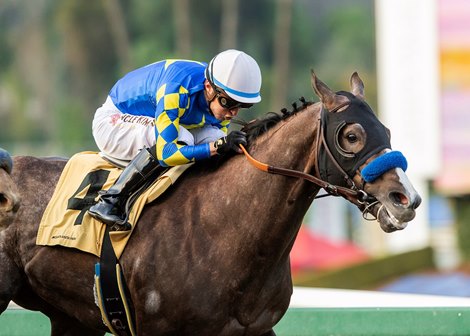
{"type": "Point", "coordinates": [416, 202]}
{"type": "Point", "coordinates": [399, 198]}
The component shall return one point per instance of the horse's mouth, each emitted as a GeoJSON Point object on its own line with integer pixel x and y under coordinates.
{"type": "Point", "coordinates": [388, 222]}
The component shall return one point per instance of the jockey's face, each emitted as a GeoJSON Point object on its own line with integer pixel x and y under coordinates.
{"type": "Point", "coordinates": [222, 113]}
{"type": "Point", "coordinates": [216, 99]}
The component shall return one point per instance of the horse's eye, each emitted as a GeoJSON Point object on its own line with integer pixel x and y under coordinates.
{"type": "Point", "coordinates": [352, 138]}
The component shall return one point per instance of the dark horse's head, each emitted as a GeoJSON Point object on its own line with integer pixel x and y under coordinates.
{"type": "Point", "coordinates": [355, 152]}
{"type": "Point", "coordinates": [9, 196]}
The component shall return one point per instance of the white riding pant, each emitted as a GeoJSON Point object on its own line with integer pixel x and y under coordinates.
{"type": "Point", "coordinates": [121, 135]}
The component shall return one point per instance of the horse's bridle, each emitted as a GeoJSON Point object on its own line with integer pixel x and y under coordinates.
{"type": "Point", "coordinates": [352, 193]}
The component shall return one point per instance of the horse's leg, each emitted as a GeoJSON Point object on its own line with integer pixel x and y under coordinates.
{"type": "Point", "coordinates": [11, 287]}
{"type": "Point", "coordinates": [269, 333]}
{"type": "Point", "coordinates": [63, 325]}
{"type": "Point", "coordinates": [10, 280]}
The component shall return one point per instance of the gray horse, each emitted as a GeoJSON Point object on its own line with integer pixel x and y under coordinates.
{"type": "Point", "coordinates": [211, 256]}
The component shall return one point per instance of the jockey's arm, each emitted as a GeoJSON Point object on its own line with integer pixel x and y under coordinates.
{"type": "Point", "coordinates": [170, 107]}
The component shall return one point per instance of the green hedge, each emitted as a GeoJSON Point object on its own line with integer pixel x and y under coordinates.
{"type": "Point", "coordinates": [369, 274]}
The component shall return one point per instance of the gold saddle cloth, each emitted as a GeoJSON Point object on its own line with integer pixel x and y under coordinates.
{"type": "Point", "coordinates": [66, 221]}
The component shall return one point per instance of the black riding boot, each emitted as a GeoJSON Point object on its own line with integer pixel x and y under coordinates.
{"type": "Point", "coordinates": [111, 207]}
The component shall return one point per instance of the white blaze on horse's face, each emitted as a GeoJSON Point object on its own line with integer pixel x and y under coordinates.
{"type": "Point", "coordinates": [397, 199]}
{"type": "Point", "coordinates": [397, 208]}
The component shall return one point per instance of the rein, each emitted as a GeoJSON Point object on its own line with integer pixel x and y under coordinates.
{"type": "Point", "coordinates": [357, 196]}
{"type": "Point", "coordinates": [331, 189]}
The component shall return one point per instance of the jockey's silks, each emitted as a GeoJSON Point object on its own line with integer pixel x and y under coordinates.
{"type": "Point", "coordinates": [172, 92]}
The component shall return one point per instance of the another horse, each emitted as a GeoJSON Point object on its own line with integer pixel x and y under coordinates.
{"type": "Point", "coordinates": [211, 256]}
{"type": "Point", "coordinates": [9, 195]}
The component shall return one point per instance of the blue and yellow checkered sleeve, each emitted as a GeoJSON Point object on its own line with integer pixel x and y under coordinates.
{"type": "Point", "coordinates": [224, 126]}
{"type": "Point", "coordinates": [172, 102]}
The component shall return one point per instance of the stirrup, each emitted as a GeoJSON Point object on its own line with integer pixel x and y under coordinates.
{"type": "Point", "coordinates": [124, 225]}
{"type": "Point", "coordinates": [121, 226]}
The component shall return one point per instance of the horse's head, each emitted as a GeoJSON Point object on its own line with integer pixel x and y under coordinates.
{"type": "Point", "coordinates": [9, 196]}
{"type": "Point", "coordinates": [355, 152]}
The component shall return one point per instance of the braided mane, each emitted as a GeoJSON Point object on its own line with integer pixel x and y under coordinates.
{"type": "Point", "coordinates": [258, 126]}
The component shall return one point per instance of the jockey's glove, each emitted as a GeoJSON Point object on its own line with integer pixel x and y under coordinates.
{"type": "Point", "coordinates": [230, 142]}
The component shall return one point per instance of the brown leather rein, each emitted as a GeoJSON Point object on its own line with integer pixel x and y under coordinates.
{"type": "Point", "coordinates": [329, 188]}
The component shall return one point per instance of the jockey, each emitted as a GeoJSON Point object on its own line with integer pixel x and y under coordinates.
{"type": "Point", "coordinates": [170, 113]}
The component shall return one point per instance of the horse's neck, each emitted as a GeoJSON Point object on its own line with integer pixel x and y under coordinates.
{"type": "Point", "coordinates": [292, 142]}
{"type": "Point", "coordinates": [279, 202]}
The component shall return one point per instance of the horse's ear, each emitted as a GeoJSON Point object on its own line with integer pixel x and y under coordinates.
{"type": "Point", "coordinates": [329, 99]}
{"type": "Point", "coordinates": [323, 92]}
{"type": "Point", "coordinates": [357, 86]}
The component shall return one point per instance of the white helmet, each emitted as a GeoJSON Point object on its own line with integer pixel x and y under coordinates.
{"type": "Point", "coordinates": [237, 74]}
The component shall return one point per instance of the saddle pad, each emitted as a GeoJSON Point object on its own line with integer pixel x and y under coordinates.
{"type": "Point", "coordinates": [66, 221]}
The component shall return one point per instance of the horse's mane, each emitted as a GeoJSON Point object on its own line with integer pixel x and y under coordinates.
{"type": "Point", "coordinates": [261, 125]}
{"type": "Point", "coordinates": [254, 129]}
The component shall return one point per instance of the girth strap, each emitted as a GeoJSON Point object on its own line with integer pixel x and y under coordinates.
{"type": "Point", "coordinates": [111, 291]}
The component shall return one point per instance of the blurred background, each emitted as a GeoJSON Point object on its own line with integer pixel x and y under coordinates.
{"type": "Point", "coordinates": [59, 59]}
